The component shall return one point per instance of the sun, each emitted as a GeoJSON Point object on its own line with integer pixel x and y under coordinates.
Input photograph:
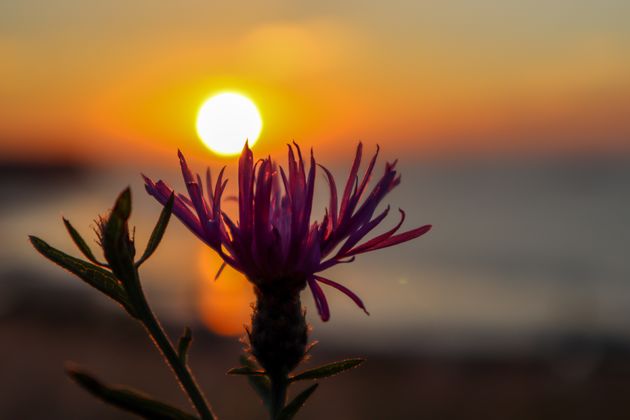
{"type": "Point", "coordinates": [225, 121]}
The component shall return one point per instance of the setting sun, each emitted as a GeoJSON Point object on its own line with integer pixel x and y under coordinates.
{"type": "Point", "coordinates": [226, 121]}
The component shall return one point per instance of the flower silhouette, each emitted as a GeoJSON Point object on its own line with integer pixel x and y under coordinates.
{"type": "Point", "coordinates": [274, 242]}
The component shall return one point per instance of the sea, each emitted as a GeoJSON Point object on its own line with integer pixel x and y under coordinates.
{"type": "Point", "coordinates": [522, 250]}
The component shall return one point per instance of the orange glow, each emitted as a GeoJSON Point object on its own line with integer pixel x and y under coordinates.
{"type": "Point", "coordinates": [225, 304]}
{"type": "Point", "coordinates": [422, 78]}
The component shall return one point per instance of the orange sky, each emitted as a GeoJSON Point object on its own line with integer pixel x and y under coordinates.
{"type": "Point", "coordinates": [87, 80]}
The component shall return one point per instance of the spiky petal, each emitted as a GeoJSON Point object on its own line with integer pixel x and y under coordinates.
{"type": "Point", "coordinates": [274, 243]}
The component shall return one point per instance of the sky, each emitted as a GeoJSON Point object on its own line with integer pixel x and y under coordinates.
{"type": "Point", "coordinates": [121, 81]}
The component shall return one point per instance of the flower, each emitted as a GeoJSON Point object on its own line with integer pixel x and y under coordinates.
{"type": "Point", "coordinates": [274, 242]}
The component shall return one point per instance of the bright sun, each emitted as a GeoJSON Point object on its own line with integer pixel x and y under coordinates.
{"type": "Point", "coordinates": [226, 121]}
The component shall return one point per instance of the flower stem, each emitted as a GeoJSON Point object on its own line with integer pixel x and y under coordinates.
{"type": "Point", "coordinates": [278, 395]}
{"type": "Point", "coordinates": [184, 376]}
{"type": "Point", "coordinates": [278, 339]}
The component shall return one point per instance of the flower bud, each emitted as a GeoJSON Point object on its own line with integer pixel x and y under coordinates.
{"type": "Point", "coordinates": [279, 331]}
{"type": "Point", "coordinates": [117, 245]}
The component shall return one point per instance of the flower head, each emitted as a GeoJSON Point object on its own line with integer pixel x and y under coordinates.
{"type": "Point", "coordinates": [274, 242]}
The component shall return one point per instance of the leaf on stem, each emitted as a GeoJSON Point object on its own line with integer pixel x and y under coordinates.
{"type": "Point", "coordinates": [93, 275]}
{"type": "Point", "coordinates": [245, 370]}
{"type": "Point", "coordinates": [126, 398]}
{"type": "Point", "coordinates": [80, 243]}
{"type": "Point", "coordinates": [327, 370]}
{"type": "Point", "coordinates": [294, 406]}
{"type": "Point", "coordinates": [260, 383]}
{"type": "Point", "coordinates": [183, 345]}
{"type": "Point", "coordinates": [310, 347]}
{"type": "Point", "coordinates": [158, 230]}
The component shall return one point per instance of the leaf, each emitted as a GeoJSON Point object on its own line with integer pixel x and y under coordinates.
{"type": "Point", "coordinates": [80, 242]}
{"type": "Point", "coordinates": [158, 230]}
{"type": "Point", "coordinates": [245, 370]}
{"type": "Point", "coordinates": [310, 347]}
{"type": "Point", "coordinates": [183, 345]}
{"type": "Point", "coordinates": [93, 275]}
{"type": "Point", "coordinates": [294, 406]}
{"type": "Point", "coordinates": [260, 384]}
{"type": "Point", "coordinates": [327, 370]}
{"type": "Point", "coordinates": [126, 398]}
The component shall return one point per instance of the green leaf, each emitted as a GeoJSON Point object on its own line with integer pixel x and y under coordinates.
{"type": "Point", "coordinates": [327, 370]}
{"type": "Point", "coordinates": [245, 370]}
{"type": "Point", "coordinates": [260, 384]}
{"type": "Point", "coordinates": [183, 345]}
{"type": "Point", "coordinates": [158, 231]}
{"type": "Point", "coordinates": [126, 398]}
{"type": "Point", "coordinates": [80, 242]}
{"type": "Point", "coordinates": [294, 406]}
{"type": "Point", "coordinates": [93, 275]}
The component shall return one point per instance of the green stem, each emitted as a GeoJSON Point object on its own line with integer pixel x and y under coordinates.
{"type": "Point", "coordinates": [278, 395]}
{"type": "Point", "coordinates": [185, 378]}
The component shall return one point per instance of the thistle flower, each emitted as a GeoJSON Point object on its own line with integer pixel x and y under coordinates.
{"type": "Point", "coordinates": [274, 242]}
{"type": "Point", "coordinates": [277, 247]}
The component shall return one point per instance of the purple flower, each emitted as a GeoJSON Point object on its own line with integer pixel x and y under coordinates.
{"type": "Point", "coordinates": [274, 242]}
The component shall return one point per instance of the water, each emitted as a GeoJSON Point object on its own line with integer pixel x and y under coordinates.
{"type": "Point", "coordinates": [518, 249]}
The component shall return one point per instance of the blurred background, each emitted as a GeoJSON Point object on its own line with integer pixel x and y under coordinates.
{"type": "Point", "coordinates": [511, 123]}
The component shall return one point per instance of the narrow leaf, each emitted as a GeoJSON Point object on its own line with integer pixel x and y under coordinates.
{"type": "Point", "coordinates": [183, 345]}
{"type": "Point", "coordinates": [327, 370]}
{"type": "Point", "coordinates": [245, 370]}
{"type": "Point", "coordinates": [93, 275]}
{"type": "Point", "coordinates": [158, 230]}
{"type": "Point", "coordinates": [80, 242]}
{"type": "Point", "coordinates": [310, 346]}
{"type": "Point", "coordinates": [294, 406]}
{"type": "Point", "coordinates": [260, 384]}
{"type": "Point", "coordinates": [127, 399]}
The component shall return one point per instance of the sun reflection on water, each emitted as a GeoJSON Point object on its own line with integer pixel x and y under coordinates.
{"type": "Point", "coordinates": [225, 304]}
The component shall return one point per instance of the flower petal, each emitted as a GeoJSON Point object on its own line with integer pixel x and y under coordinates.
{"type": "Point", "coordinates": [397, 239]}
{"type": "Point", "coordinates": [358, 234]}
{"type": "Point", "coordinates": [245, 191]}
{"type": "Point", "coordinates": [334, 261]}
{"type": "Point", "coordinates": [351, 181]}
{"type": "Point", "coordinates": [333, 197]}
{"type": "Point", "coordinates": [209, 186]}
{"type": "Point", "coordinates": [387, 182]}
{"type": "Point", "coordinates": [194, 189]}
{"type": "Point", "coordinates": [218, 274]}
{"type": "Point", "coordinates": [356, 299]}
{"type": "Point", "coordinates": [380, 238]}
{"type": "Point", "coordinates": [320, 300]}
{"type": "Point", "coordinates": [356, 197]}
{"type": "Point", "coordinates": [162, 193]}
{"type": "Point", "coordinates": [308, 202]}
